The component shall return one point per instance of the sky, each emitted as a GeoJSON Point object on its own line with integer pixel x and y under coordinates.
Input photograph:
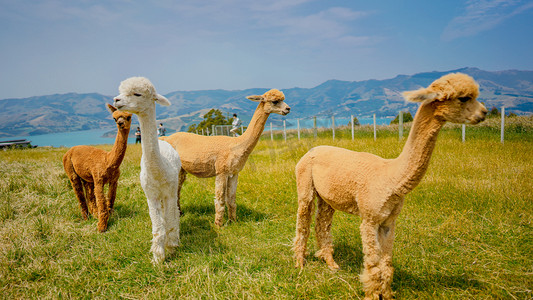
{"type": "Point", "coordinates": [62, 46]}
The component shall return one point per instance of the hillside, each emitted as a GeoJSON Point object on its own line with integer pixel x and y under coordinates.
{"type": "Point", "coordinates": [70, 112]}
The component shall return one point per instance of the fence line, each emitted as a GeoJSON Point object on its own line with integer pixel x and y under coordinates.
{"type": "Point", "coordinates": [222, 129]}
{"type": "Point", "coordinates": [503, 123]}
{"type": "Point", "coordinates": [400, 125]}
{"type": "Point", "coordinates": [333, 126]}
{"type": "Point", "coordinates": [351, 118]}
{"type": "Point", "coordinates": [375, 127]}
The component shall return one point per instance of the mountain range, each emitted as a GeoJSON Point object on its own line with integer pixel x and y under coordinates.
{"type": "Point", "coordinates": [72, 112]}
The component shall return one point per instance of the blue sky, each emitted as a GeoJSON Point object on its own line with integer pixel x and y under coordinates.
{"type": "Point", "coordinates": [60, 46]}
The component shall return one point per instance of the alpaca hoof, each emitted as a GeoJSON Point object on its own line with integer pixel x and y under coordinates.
{"type": "Point", "coordinates": [159, 257]}
{"type": "Point", "coordinates": [328, 258]}
{"type": "Point", "coordinates": [218, 222]}
{"type": "Point", "coordinates": [333, 266]}
{"type": "Point", "coordinates": [157, 260]}
{"type": "Point", "coordinates": [300, 262]}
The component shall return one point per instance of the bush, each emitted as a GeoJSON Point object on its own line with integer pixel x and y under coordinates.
{"type": "Point", "coordinates": [407, 117]}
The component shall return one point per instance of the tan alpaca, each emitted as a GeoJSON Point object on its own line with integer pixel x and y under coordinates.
{"type": "Point", "coordinates": [223, 156]}
{"type": "Point", "coordinates": [373, 187]}
{"type": "Point", "coordinates": [91, 168]}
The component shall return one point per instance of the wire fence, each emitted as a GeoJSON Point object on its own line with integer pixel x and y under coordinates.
{"type": "Point", "coordinates": [331, 124]}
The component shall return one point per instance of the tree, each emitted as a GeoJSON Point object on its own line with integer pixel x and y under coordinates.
{"type": "Point", "coordinates": [493, 113]}
{"type": "Point", "coordinates": [212, 117]}
{"type": "Point", "coordinates": [355, 122]}
{"type": "Point", "coordinates": [407, 117]}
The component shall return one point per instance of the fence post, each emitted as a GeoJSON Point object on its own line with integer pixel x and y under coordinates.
{"type": "Point", "coordinates": [352, 126]}
{"type": "Point", "coordinates": [203, 131]}
{"type": "Point", "coordinates": [314, 126]}
{"type": "Point", "coordinates": [400, 125]}
{"type": "Point", "coordinates": [333, 126]}
{"type": "Point", "coordinates": [271, 134]}
{"type": "Point", "coordinates": [374, 127]}
{"type": "Point", "coordinates": [463, 132]}
{"type": "Point", "coordinates": [213, 129]}
{"type": "Point", "coordinates": [284, 131]}
{"type": "Point", "coordinates": [242, 129]}
{"type": "Point", "coordinates": [503, 123]}
{"type": "Point", "coordinates": [298, 123]}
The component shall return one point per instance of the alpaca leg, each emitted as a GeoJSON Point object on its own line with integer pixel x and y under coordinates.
{"type": "Point", "coordinates": [77, 185]}
{"type": "Point", "coordinates": [171, 225]}
{"type": "Point", "coordinates": [371, 276]}
{"type": "Point", "coordinates": [89, 196]}
{"type": "Point", "coordinates": [101, 204]}
{"type": "Point", "coordinates": [112, 194]}
{"type": "Point", "coordinates": [232, 191]}
{"type": "Point", "coordinates": [221, 184]}
{"type": "Point", "coordinates": [324, 217]}
{"type": "Point", "coordinates": [182, 178]}
{"type": "Point", "coordinates": [306, 194]}
{"type": "Point", "coordinates": [158, 230]}
{"type": "Point", "coordinates": [386, 240]}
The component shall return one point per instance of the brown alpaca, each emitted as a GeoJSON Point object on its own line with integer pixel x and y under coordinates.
{"type": "Point", "coordinates": [373, 187]}
{"type": "Point", "coordinates": [224, 156]}
{"type": "Point", "coordinates": [91, 168]}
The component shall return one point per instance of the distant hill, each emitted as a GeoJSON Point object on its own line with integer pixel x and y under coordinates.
{"type": "Point", "coordinates": [71, 112]}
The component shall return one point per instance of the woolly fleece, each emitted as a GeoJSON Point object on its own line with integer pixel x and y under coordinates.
{"type": "Point", "coordinates": [91, 168]}
{"type": "Point", "coordinates": [373, 187]}
{"type": "Point", "coordinates": [223, 156]}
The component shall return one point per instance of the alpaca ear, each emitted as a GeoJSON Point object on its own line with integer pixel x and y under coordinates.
{"type": "Point", "coordinates": [255, 98]}
{"type": "Point", "coordinates": [162, 100]}
{"type": "Point", "coordinates": [111, 108]}
{"type": "Point", "coordinates": [420, 95]}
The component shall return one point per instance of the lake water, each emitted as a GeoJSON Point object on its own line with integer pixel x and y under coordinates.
{"type": "Point", "coordinates": [69, 139]}
{"type": "Point", "coordinates": [95, 136]}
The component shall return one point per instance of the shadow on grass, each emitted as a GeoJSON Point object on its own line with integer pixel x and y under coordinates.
{"type": "Point", "coordinates": [124, 211]}
{"type": "Point", "coordinates": [244, 214]}
{"type": "Point", "coordinates": [350, 258]}
{"type": "Point", "coordinates": [429, 281]}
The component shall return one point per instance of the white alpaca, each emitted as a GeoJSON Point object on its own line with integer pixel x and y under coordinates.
{"type": "Point", "coordinates": [160, 164]}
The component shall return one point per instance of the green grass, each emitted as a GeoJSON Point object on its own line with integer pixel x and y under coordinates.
{"type": "Point", "coordinates": [466, 232]}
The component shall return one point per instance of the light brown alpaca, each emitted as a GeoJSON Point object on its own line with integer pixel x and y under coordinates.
{"type": "Point", "coordinates": [91, 168]}
{"type": "Point", "coordinates": [223, 156]}
{"type": "Point", "coordinates": [373, 187]}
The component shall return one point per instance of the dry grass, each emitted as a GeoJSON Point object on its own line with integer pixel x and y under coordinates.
{"type": "Point", "coordinates": [465, 232]}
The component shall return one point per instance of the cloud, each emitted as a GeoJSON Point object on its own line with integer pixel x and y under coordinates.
{"type": "Point", "coordinates": [482, 15]}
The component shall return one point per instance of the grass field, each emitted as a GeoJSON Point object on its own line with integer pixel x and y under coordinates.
{"type": "Point", "coordinates": [466, 232]}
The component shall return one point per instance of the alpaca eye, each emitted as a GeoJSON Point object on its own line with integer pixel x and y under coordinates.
{"type": "Point", "coordinates": [275, 102]}
{"type": "Point", "coordinates": [464, 99]}
{"type": "Point", "coordinates": [128, 118]}
{"type": "Point", "coordinates": [137, 94]}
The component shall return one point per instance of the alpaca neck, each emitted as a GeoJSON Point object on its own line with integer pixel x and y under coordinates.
{"type": "Point", "coordinates": [255, 129]}
{"type": "Point", "coordinates": [116, 155]}
{"type": "Point", "coordinates": [149, 141]}
{"type": "Point", "coordinates": [414, 159]}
